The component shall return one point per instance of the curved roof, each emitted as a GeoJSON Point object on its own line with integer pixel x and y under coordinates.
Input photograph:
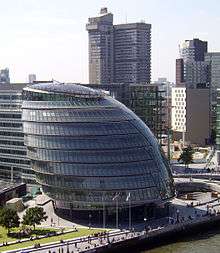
{"type": "Point", "coordinates": [66, 88]}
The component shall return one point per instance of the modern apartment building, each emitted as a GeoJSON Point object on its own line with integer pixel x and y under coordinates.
{"type": "Point", "coordinates": [191, 68]}
{"type": "Point", "coordinates": [191, 115]}
{"type": "Point", "coordinates": [13, 160]}
{"type": "Point", "coordinates": [118, 53]}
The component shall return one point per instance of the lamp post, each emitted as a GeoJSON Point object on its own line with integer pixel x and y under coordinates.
{"type": "Point", "coordinates": [129, 214]}
{"type": "Point", "coordinates": [116, 207]}
{"type": "Point", "coordinates": [116, 213]}
{"type": "Point", "coordinates": [12, 174]}
{"type": "Point", "coordinates": [103, 210]}
{"type": "Point", "coordinates": [90, 216]}
{"type": "Point", "coordinates": [145, 222]}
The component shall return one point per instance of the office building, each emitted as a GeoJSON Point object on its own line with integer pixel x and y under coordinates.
{"type": "Point", "coordinates": [13, 154]}
{"type": "Point", "coordinates": [147, 101]}
{"type": "Point", "coordinates": [191, 115]}
{"type": "Point", "coordinates": [32, 78]}
{"type": "Point", "coordinates": [119, 91]}
{"type": "Point", "coordinates": [194, 50]}
{"type": "Point", "coordinates": [88, 150]}
{"type": "Point", "coordinates": [4, 76]}
{"type": "Point", "coordinates": [100, 29]}
{"type": "Point", "coordinates": [213, 62]}
{"type": "Point", "coordinates": [191, 68]}
{"type": "Point", "coordinates": [132, 53]}
{"type": "Point", "coordinates": [217, 126]}
{"type": "Point", "coordinates": [179, 72]}
{"type": "Point", "coordinates": [118, 53]}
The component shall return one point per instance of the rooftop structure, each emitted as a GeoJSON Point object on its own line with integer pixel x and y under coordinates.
{"type": "Point", "coordinates": [9, 190]}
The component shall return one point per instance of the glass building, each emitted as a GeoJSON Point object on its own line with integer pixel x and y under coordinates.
{"type": "Point", "coordinates": [14, 163]}
{"type": "Point", "coordinates": [89, 150]}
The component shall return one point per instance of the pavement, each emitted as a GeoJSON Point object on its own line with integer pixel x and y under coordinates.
{"type": "Point", "coordinates": [86, 243]}
{"type": "Point", "coordinates": [180, 210]}
{"type": "Point", "coordinates": [53, 219]}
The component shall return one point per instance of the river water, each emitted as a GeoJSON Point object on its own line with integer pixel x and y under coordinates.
{"type": "Point", "coordinates": [208, 242]}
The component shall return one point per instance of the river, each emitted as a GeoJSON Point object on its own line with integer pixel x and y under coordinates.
{"type": "Point", "coordinates": [201, 243]}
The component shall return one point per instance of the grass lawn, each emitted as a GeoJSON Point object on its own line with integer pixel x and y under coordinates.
{"type": "Point", "coordinates": [80, 232]}
{"type": "Point", "coordinates": [4, 237]}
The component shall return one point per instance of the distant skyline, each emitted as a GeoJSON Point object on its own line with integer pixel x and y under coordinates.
{"type": "Point", "coordinates": [48, 38]}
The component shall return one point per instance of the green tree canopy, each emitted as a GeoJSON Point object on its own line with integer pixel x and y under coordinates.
{"type": "Point", "coordinates": [9, 218]}
{"type": "Point", "coordinates": [34, 216]}
{"type": "Point", "coordinates": [186, 156]}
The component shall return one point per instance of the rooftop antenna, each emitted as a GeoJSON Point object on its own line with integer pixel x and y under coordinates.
{"type": "Point", "coordinates": [126, 20]}
{"type": "Point", "coordinates": [179, 50]}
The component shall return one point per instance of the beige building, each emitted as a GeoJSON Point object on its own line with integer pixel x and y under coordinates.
{"type": "Point", "coordinates": [190, 119]}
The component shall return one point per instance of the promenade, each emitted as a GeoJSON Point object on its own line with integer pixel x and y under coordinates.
{"type": "Point", "coordinates": [183, 214]}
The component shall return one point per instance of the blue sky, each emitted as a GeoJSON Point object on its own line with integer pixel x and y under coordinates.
{"type": "Point", "coordinates": [48, 37]}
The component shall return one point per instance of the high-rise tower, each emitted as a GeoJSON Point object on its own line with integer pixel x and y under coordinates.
{"type": "Point", "coordinates": [132, 53]}
{"type": "Point", "coordinates": [192, 63]}
{"type": "Point", "coordinates": [100, 30]}
{"type": "Point", "coordinates": [118, 53]}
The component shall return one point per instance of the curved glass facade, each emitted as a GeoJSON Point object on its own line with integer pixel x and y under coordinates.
{"type": "Point", "coordinates": [86, 148]}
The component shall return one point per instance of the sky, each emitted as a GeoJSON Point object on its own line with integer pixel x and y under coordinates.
{"type": "Point", "coordinates": [48, 37]}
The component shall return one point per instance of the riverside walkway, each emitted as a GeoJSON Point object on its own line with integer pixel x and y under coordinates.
{"type": "Point", "coordinates": [183, 216]}
{"type": "Point", "coordinates": [120, 240]}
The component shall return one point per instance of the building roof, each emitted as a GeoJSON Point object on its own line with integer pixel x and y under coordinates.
{"type": "Point", "coordinates": [7, 186]}
{"type": "Point", "coordinates": [66, 88]}
{"type": "Point", "coordinates": [12, 86]}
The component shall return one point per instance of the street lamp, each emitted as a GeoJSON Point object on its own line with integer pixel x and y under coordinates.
{"type": "Point", "coordinates": [103, 210]}
{"type": "Point", "coordinates": [145, 222]}
{"type": "Point", "coordinates": [90, 216]}
{"type": "Point", "coordinates": [129, 215]}
{"type": "Point", "coordinates": [116, 207]}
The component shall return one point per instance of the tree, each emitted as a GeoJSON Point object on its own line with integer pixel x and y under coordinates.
{"type": "Point", "coordinates": [187, 156]}
{"type": "Point", "coordinates": [213, 137]}
{"type": "Point", "coordinates": [9, 218]}
{"type": "Point", "coordinates": [34, 216]}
